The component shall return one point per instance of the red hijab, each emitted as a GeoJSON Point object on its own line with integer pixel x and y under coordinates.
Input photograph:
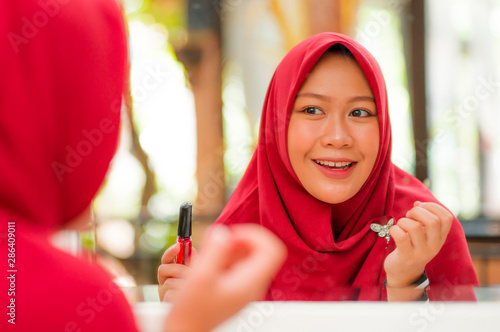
{"type": "Point", "coordinates": [347, 263]}
{"type": "Point", "coordinates": [64, 71]}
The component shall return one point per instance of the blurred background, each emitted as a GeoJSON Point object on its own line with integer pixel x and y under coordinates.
{"type": "Point", "coordinates": [199, 74]}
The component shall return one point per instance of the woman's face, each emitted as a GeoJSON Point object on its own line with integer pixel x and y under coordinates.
{"type": "Point", "coordinates": [333, 135]}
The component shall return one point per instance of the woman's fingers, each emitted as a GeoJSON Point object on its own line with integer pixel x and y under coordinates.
{"type": "Point", "coordinates": [169, 286]}
{"type": "Point", "coordinates": [170, 254]}
{"type": "Point", "coordinates": [401, 237]}
{"type": "Point", "coordinates": [415, 231]}
{"type": "Point", "coordinates": [263, 249]}
{"type": "Point", "coordinates": [421, 234]}
{"type": "Point", "coordinates": [170, 295]}
{"type": "Point", "coordinates": [169, 271]}
{"type": "Point", "coordinates": [216, 250]}
{"type": "Point", "coordinates": [168, 268]}
{"type": "Point", "coordinates": [235, 267]}
{"type": "Point", "coordinates": [258, 255]}
{"type": "Point", "coordinates": [430, 222]}
{"type": "Point", "coordinates": [419, 237]}
{"type": "Point", "coordinates": [173, 283]}
{"type": "Point", "coordinates": [445, 217]}
{"type": "Point", "coordinates": [172, 270]}
{"type": "Point", "coordinates": [244, 257]}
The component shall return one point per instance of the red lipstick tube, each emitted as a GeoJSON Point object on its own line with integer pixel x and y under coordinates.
{"type": "Point", "coordinates": [184, 231]}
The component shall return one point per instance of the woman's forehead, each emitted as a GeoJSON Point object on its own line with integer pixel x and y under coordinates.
{"type": "Point", "coordinates": [333, 69]}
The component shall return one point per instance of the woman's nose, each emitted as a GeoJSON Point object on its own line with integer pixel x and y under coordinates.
{"type": "Point", "coordinates": [335, 133]}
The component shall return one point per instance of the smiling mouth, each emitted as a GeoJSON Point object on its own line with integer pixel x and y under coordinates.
{"type": "Point", "coordinates": [337, 166]}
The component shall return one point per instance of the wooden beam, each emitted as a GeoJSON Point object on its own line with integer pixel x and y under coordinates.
{"type": "Point", "coordinates": [202, 58]}
{"type": "Point", "coordinates": [324, 15]}
{"type": "Point", "coordinates": [415, 48]}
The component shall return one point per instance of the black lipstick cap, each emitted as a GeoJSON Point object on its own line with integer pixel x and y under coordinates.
{"type": "Point", "coordinates": [185, 216]}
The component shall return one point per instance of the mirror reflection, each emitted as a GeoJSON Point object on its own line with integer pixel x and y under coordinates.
{"type": "Point", "coordinates": [247, 160]}
{"type": "Point", "coordinates": [444, 138]}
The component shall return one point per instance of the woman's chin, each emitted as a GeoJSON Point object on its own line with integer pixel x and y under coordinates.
{"type": "Point", "coordinates": [332, 196]}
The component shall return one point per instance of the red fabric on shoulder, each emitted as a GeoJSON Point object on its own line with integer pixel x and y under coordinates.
{"type": "Point", "coordinates": [322, 265]}
{"type": "Point", "coordinates": [58, 292]}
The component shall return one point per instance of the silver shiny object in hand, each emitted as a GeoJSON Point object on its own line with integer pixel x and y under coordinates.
{"type": "Point", "coordinates": [383, 230]}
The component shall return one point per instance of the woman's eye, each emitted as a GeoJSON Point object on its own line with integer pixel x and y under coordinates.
{"type": "Point", "coordinates": [360, 113]}
{"type": "Point", "coordinates": [312, 110]}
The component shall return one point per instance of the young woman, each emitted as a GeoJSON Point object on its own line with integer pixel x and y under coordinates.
{"type": "Point", "coordinates": [322, 179]}
{"type": "Point", "coordinates": [64, 68]}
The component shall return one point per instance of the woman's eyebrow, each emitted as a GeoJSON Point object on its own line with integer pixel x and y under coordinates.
{"type": "Point", "coordinates": [327, 98]}
{"type": "Point", "coordinates": [313, 95]}
{"type": "Point", "coordinates": [362, 98]}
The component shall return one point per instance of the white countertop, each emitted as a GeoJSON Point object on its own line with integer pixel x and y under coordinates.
{"type": "Point", "coordinates": [344, 316]}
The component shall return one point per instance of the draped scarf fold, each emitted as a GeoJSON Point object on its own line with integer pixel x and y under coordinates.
{"type": "Point", "coordinates": [64, 68]}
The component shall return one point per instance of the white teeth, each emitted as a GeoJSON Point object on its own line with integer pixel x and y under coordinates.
{"type": "Point", "coordinates": [333, 164]}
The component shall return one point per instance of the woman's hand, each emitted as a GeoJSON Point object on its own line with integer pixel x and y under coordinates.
{"type": "Point", "coordinates": [170, 274]}
{"type": "Point", "coordinates": [236, 266]}
{"type": "Point", "coordinates": [419, 238]}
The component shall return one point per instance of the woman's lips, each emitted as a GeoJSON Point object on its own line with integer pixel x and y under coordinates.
{"type": "Point", "coordinates": [342, 165]}
{"type": "Point", "coordinates": [335, 169]}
